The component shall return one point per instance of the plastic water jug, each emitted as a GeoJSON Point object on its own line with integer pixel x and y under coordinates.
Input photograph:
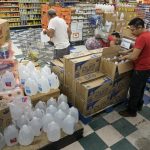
{"type": "Point", "coordinates": [30, 66]}
{"type": "Point", "coordinates": [39, 113]}
{"type": "Point", "coordinates": [26, 135]}
{"type": "Point", "coordinates": [2, 141]}
{"type": "Point", "coordinates": [52, 101]}
{"type": "Point", "coordinates": [16, 112]}
{"type": "Point", "coordinates": [23, 76]}
{"type": "Point", "coordinates": [46, 71]}
{"type": "Point", "coordinates": [62, 98]}
{"type": "Point", "coordinates": [53, 132]}
{"type": "Point", "coordinates": [36, 125]}
{"type": "Point", "coordinates": [41, 105]}
{"type": "Point", "coordinates": [22, 121]}
{"type": "Point", "coordinates": [59, 117]}
{"type": "Point", "coordinates": [8, 80]}
{"type": "Point", "coordinates": [51, 109]}
{"type": "Point", "coordinates": [48, 118]}
{"type": "Point", "coordinates": [31, 87]}
{"type": "Point", "coordinates": [28, 112]}
{"type": "Point", "coordinates": [53, 81]}
{"type": "Point", "coordinates": [11, 135]}
{"type": "Point", "coordinates": [36, 75]}
{"type": "Point", "coordinates": [68, 125]}
{"type": "Point", "coordinates": [74, 113]}
{"type": "Point", "coordinates": [43, 85]}
{"type": "Point", "coordinates": [64, 106]}
{"type": "Point", "coordinates": [21, 68]}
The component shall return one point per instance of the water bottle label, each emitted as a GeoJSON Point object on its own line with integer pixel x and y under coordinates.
{"type": "Point", "coordinates": [8, 82]}
{"type": "Point", "coordinates": [14, 140]}
{"type": "Point", "coordinates": [40, 87]}
{"type": "Point", "coordinates": [28, 90]}
{"type": "Point", "coordinates": [24, 99]}
{"type": "Point", "coordinates": [22, 81]}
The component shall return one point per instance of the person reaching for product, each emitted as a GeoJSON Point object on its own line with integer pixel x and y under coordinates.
{"type": "Point", "coordinates": [59, 33]}
{"type": "Point", "coordinates": [140, 55]}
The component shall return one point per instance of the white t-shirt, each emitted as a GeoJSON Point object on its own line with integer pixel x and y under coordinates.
{"type": "Point", "coordinates": [60, 38]}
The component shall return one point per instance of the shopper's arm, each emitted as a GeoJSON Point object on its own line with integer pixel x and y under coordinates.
{"type": "Point", "coordinates": [133, 55]}
{"type": "Point", "coordinates": [49, 32]}
{"type": "Point", "coordinates": [69, 32]}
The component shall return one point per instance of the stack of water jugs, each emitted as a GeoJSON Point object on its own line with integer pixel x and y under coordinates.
{"type": "Point", "coordinates": [37, 80]}
{"type": "Point", "coordinates": [29, 122]}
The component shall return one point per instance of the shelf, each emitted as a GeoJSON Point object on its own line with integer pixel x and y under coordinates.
{"type": "Point", "coordinates": [25, 26]}
{"type": "Point", "coordinates": [13, 21]}
{"type": "Point", "coordinates": [30, 13]}
{"type": "Point", "coordinates": [30, 8]}
{"type": "Point", "coordinates": [9, 11]}
{"type": "Point", "coordinates": [33, 2]}
{"type": "Point", "coordinates": [33, 19]}
{"type": "Point", "coordinates": [10, 17]}
{"type": "Point", "coordinates": [9, 6]}
{"type": "Point", "coordinates": [9, 2]}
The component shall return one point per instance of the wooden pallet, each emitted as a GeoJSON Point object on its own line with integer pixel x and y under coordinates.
{"type": "Point", "coordinates": [42, 143]}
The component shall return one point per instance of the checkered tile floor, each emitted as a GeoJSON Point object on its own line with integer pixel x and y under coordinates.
{"type": "Point", "coordinates": [110, 131]}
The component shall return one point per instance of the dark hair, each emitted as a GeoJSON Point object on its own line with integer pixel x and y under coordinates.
{"type": "Point", "coordinates": [51, 12]}
{"type": "Point", "coordinates": [116, 34]}
{"type": "Point", "coordinates": [136, 22]}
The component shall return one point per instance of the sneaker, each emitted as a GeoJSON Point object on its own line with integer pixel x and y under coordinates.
{"type": "Point", "coordinates": [126, 113]}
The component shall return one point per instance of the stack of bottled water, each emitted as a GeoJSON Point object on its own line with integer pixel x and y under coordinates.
{"type": "Point", "coordinates": [29, 122]}
{"type": "Point", "coordinates": [34, 80]}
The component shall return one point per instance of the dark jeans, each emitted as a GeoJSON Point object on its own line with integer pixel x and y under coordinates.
{"type": "Point", "coordinates": [137, 85]}
{"type": "Point", "coordinates": [59, 53]}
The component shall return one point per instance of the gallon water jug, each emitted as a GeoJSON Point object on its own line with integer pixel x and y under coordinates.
{"type": "Point", "coordinates": [74, 113]}
{"type": "Point", "coordinates": [48, 118]}
{"type": "Point", "coordinates": [51, 109]}
{"type": "Point", "coordinates": [23, 76]}
{"type": "Point", "coordinates": [8, 80]}
{"type": "Point", "coordinates": [68, 125]}
{"type": "Point", "coordinates": [43, 85]}
{"type": "Point", "coordinates": [22, 121]}
{"type": "Point", "coordinates": [30, 66]}
{"type": "Point", "coordinates": [53, 81]}
{"type": "Point", "coordinates": [52, 101]}
{"type": "Point", "coordinates": [39, 113]}
{"type": "Point", "coordinates": [26, 135]}
{"type": "Point", "coordinates": [11, 135]}
{"type": "Point", "coordinates": [28, 112]}
{"type": "Point", "coordinates": [45, 71]}
{"type": "Point", "coordinates": [2, 141]}
{"type": "Point", "coordinates": [59, 117]}
{"type": "Point", "coordinates": [53, 132]}
{"type": "Point", "coordinates": [36, 75]}
{"type": "Point", "coordinates": [31, 87]}
{"type": "Point", "coordinates": [64, 106]}
{"type": "Point", "coordinates": [62, 98]}
{"type": "Point", "coordinates": [36, 125]}
{"type": "Point", "coordinates": [15, 110]}
{"type": "Point", "coordinates": [22, 68]}
{"type": "Point", "coordinates": [41, 105]}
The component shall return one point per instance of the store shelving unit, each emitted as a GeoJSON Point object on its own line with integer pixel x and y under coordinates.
{"type": "Point", "coordinates": [22, 13]}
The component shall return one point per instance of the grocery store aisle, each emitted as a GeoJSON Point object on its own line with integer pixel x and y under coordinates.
{"type": "Point", "coordinates": [110, 131]}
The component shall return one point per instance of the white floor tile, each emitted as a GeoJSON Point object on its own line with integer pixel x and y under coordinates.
{"type": "Point", "coordinates": [73, 146]}
{"type": "Point", "coordinates": [136, 121]}
{"type": "Point", "coordinates": [109, 135]}
{"type": "Point", "coordinates": [112, 117]}
{"type": "Point", "coordinates": [140, 139]}
{"type": "Point", "coordinates": [87, 130]}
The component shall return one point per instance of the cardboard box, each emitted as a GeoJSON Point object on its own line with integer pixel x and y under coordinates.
{"type": "Point", "coordinates": [5, 116]}
{"type": "Point", "coordinates": [109, 67]}
{"type": "Point", "coordinates": [4, 31]}
{"type": "Point", "coordinates": [94, 90]}
{"type": "Point", "coordinates": [110, 16]}
{"type": "Point", "coordinates": [127, 33]}
{"type": "Point", "coordinates": [120, 24]}
{"type": "Point", "coordinates": [89, 109]}
{"type": "Point", "coordinates": [57, 67]}
{"type": "Point", "coordinates": [45, 96]}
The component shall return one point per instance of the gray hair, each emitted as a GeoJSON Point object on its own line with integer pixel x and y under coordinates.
{"type": "Point", "coordinates": [52, 12]}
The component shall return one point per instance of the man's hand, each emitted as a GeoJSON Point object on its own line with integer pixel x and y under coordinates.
{"type": "Point", "coordinates": [124, 57]}
{"type": "Point", "coordinates": [125, 52]}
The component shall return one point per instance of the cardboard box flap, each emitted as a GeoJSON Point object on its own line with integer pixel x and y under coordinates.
{"type": "Point", "coordinates": [85, 58]}
{"type": "Point", "coordinates": [3, 21]}
{"type": "Point", "coordinates": [95, 83]}
{"type": "Point", "coordinates": [110, 51]}
{"type": "Point", "coordinates": [108, 68]}
{"type": "Point", "coordinates": [122, 68]}
{"type": "Point", "coordinates": [89, 77]}
{"type": "Point", "coordinates": [77, 55]}
{"type": "Point", "coordinates": [57, 62]}
{"type": "Point", "coordinates": [100, 50]}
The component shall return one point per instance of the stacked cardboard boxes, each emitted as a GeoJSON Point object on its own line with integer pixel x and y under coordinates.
{"type": "Point", "coordinates": [91, 82]}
